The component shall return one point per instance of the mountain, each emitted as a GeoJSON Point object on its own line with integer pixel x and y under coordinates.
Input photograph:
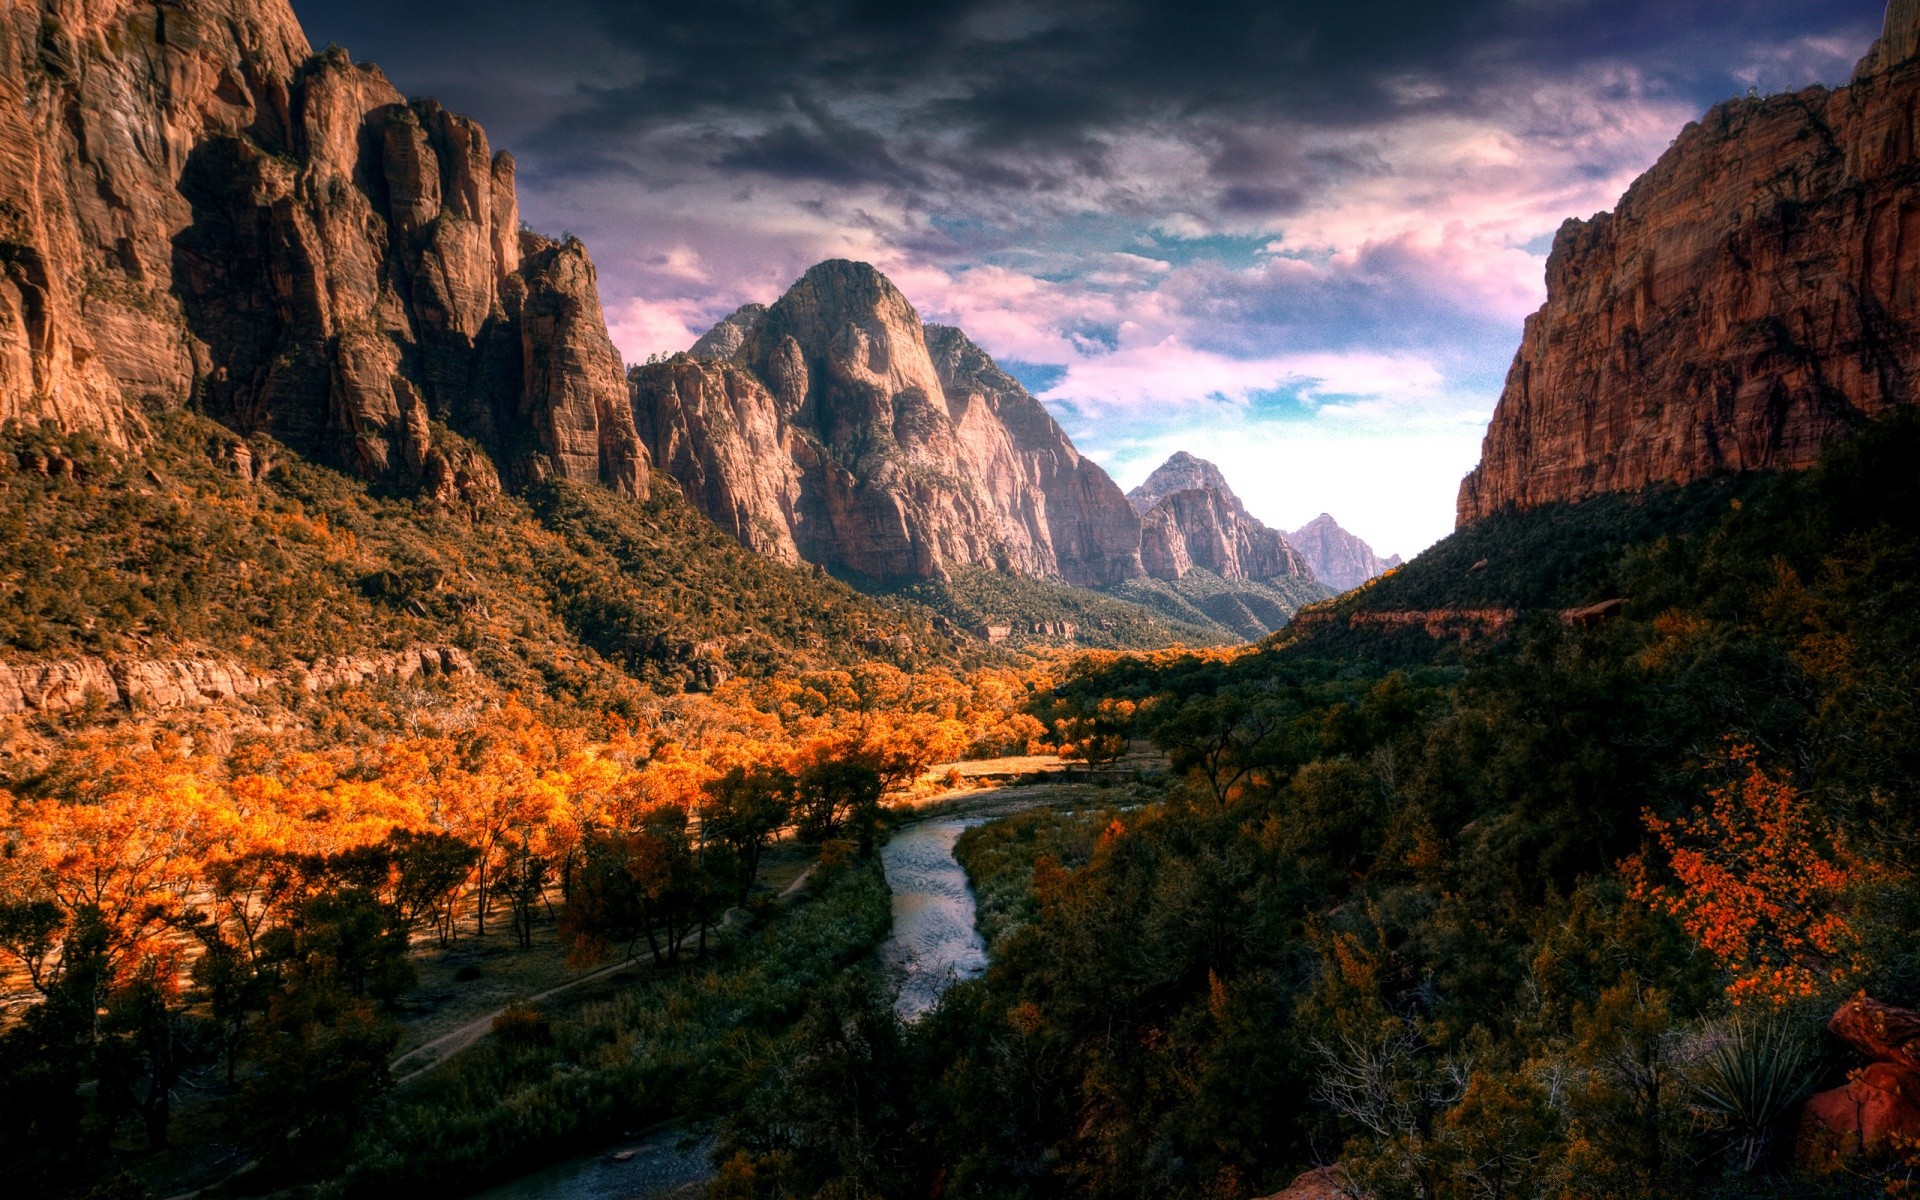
{"type": "Point", "coordinates": [834, 427]}
{"type": "Point", "coordinates": [1207, 560]}
{"type": "Point", "coordinates": [197, 209]}
{"type": "Point", "coordinates": [1339, 559]}
{"type": "Point", "coordinates": [1754, 295]}
{"type": "Point", "coordinates": [1190, 519]}
{"type": "Point", "coordinates": [1181, 473]}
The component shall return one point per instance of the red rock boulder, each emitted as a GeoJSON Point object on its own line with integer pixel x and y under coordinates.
{"type": "Point", "coordinates": [1873, 1115]}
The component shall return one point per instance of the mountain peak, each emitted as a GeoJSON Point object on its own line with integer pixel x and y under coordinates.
{"type": "Point", "coordinates": [1339, 559]}
{"type": "Point", "coordinates": [1182, 472]}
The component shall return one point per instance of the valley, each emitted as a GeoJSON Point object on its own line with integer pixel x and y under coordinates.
{"type": "Point", "coordinates": [441, 758]}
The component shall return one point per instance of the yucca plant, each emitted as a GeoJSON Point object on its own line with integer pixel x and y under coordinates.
{"type": "Point", "coordinates": [1748, 1080]}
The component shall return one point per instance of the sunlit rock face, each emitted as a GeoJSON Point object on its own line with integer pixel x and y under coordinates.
{"type": "Point", "coordinates": [1338, 558]}
{"type": "Point", "coordinates": [1754, 295]}
{"type": "Point", "coordinates": [835, 427]}
{"type": "Point", "coordinates": [194, 207]}
{"type": "Point", "coordinates": [1191, 519]}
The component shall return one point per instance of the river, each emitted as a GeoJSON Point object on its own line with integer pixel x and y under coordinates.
{"type": "Point", "coordinates": [934, 944]}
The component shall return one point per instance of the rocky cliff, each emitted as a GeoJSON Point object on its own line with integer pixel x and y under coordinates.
{"type": "Point", "coordinates": [194, 208]}
{"type": "Point", "coordinates": [1338, 558]}
{"type": "Point", "coordinates": [1192, 520]}
{"type": "Point", "coordinates": [835, 427]}
{"type": "Point", "coordinates": [1755, 294]}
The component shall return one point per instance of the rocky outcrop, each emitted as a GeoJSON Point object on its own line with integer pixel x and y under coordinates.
{"type": "Point", "coordinates": [193, 207]}
{"type": "Point", "coordinates": [1878, 1111]}
{"type": "Point", "coordinates": [1754, 295]}
{"type": "Point", "coordinates": [1338, 558]}
{"type": "Point", "coordinates": [1192, 520]}
{"type": "Point", "coordinates": [158, 684]}
{"type": "Point", "coordinates": [834, 427]}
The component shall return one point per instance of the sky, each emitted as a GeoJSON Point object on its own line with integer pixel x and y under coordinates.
{"type": "Point", "coordinates": [1298, 239]}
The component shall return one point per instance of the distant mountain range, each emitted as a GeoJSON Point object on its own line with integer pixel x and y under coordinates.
{"type": "Point", "coordinates": [835, 427]}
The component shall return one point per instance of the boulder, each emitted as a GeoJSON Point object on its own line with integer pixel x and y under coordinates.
{"type": "Point", "coordinates": [1877, 1112]}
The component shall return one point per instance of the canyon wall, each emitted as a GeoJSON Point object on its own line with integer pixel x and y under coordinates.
{"type": "Point", "coordinates": [195, 208]}
{"type": "Point", "coordinates": [1754, 295]}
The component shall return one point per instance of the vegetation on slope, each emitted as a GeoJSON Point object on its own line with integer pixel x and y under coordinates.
{"type": "Point", "coordinates": [1243, 610]}
{"type": "Point", "coordinates": [1033, 610]}
{"type": "Point", "coordinates": [571, 590]}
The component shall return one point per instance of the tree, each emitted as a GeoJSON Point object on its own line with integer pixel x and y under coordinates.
{"type": "Point", "coordinates": [839, 797]}
{"type": "Point", "coordinates": [1760, 880]}
{"type": "Point", "coordinates": [744, 809]}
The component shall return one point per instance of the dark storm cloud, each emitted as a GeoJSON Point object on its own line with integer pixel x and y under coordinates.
{"type": "Point", "coordinates": [934, 97]}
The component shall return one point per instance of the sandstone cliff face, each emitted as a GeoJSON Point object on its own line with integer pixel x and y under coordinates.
{"type": "Point", "coordinates": [1338, 558]}
{"type": "Point", "coordinates": [1193, 519]}
{"type": "Point", "coordinates": [836, 428]}
{"type": "Point", "coordinates": [194, 208]}
{"type": "Point", "coordinates": [1754, 295]}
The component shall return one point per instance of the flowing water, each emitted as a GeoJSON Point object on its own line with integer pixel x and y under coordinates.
{"type": "Point", "coordinates": [935, 943]}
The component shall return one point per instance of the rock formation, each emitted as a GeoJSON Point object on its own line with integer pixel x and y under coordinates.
{"type": "Point", "coordinates": [1191, 518]}
{"type": "Point", "coordinates": [67, 685]}
{"type": "Point", "coordinates": [834, 427]}
{"type": "Point", "coordinates": [1754, 295]}
{"type": "Point", "coordinates": [1338, 558]}
{"type": "Point", "coordinates": [193, 207]}
{"type": "Point", "coordinates": [1879, 1108]}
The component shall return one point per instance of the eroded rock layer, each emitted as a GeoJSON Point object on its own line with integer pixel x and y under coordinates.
{"type": "Point", "coordinates": [834, 427]}
{"type": "Point", "coordinates": [1754, 295]}
{"type": "Point", "coordinates": [193, 207]}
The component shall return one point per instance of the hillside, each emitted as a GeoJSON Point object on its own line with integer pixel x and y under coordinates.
{"type": "Point", "coordinates": [208, 545]}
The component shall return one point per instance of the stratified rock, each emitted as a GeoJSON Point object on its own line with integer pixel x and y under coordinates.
{"type": "Point", "coordinates": [836, 428]}
{"type": "Point", "coordinates": [192, 206]}
{"type": "Point", "coordinates": [156, 684]}
{"type": "Point", "coordinates": [1193, 519]}
{"type": "Point", "coordinates": [716, 429]}
{"type": "Point", "coordinates": [729, 337]}
{"type": "Point", "coordinates": [1754, 295]}
{"type": "Point", "coordinates": [1338, 558]}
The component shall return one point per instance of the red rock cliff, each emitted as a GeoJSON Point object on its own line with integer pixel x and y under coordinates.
{"type": "Point", "coordinates": [195, 208]}
{"type": "Point", "coordinates": [1755, 294]}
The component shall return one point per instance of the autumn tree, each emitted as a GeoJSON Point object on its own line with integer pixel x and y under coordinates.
{"type": "Point", "coordinates": [1760, 880]}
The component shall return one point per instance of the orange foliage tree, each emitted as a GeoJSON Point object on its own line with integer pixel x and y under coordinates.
{"type": "Point", "coordinates": [1760, 880]}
